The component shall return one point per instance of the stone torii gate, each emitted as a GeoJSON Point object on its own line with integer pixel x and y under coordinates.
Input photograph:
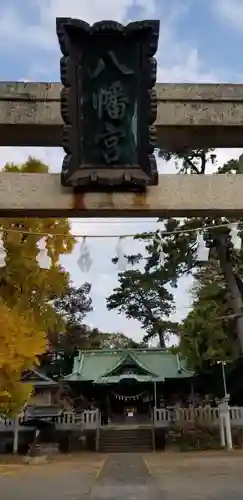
{"type": "Point", "coordinates": [189, 115]}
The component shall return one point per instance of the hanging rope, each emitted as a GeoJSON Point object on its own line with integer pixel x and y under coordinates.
{"type": "Point", "coordinates": [85, 260]}
{"type": "Point", "coordinates": [135, 397]}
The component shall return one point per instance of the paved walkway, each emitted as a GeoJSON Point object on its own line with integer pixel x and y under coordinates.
{"type": "Point", "coordinates": [125, 476]}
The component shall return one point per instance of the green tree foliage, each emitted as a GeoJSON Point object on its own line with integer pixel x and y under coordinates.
{"type": "Point", "coordinates": [116, 340]}
{"type": "Point", "coordinates": [73, 306]}
{"type": "Point", "coordinates": [180, 250]}
{"type": "Point", "coordinates": [144, 297]}
{"type": "Point", "coordinates": [208, 333]}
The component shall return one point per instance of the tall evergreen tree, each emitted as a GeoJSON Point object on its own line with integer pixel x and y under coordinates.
{"type": "Point", "coordinates": [180, 246]}
{"type": "Point", "coordinates": [208, 333]}
{"type": "Point", "coordinates": [143, 296]}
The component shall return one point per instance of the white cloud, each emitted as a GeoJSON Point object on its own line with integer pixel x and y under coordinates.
{"type": "Point", "coordinates": [100, 9]}
{"type": "Point", "coordinates": [231, 11]}
{"type": "Point", "coordinates": [178, 60]}
{"type": "Point", "coordinates": [185, 66]}
{"type": "Point", "coordinates": [42, 34]}
{"type": "Point", "coordinates": [180, 63]}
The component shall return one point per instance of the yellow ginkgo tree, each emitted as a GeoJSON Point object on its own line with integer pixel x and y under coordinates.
{"type": "Point", "coordinates": [27, 293]}
{"type": "Point", "coordinates": [20, 345]}
{"type": "Point", "coordinates": [22, 281]}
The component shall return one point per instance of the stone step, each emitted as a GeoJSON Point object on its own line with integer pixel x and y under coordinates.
{"type": "Point", "coordinates": [122, 443]}
{"type": "Point", "coordinates": [125, 443]}
{"type": "Point", "coordinates": [119, 447]}
{"type": "Point", "coordinates": [130, 438]}
{"type": "Point", "coordinates": [110, 452]}
{"type": "Point", "coordinates": [120, 428]}
{"type": "Point", "coordinates": [123, 434]}
{"type": "Point", "coordinates": [107, 451]}
{"type": "Point", "coordinates": [132, 432]}
{"type": "Point", "coordinates": [125, 440]}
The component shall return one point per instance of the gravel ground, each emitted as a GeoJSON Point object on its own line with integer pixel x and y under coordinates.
{"type": "Point", "coordinates": [155, 476]}
{"type": "Point", "coordinates": [206, 476]}
{"type": "Point", "coordinates": [70, 479]}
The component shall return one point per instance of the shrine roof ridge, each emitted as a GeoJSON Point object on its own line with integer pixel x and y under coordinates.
{"type": "Point", "coordinates": [126, 350]}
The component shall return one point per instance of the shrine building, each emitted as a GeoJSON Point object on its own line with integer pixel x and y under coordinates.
{"type": "Point", "coordinates": [126, 384]}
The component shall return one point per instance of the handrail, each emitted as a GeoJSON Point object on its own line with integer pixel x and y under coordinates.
{"type": "Point", "coordinates": [206, 415]}
{"type": "Point", "coordinates": [85, 419]}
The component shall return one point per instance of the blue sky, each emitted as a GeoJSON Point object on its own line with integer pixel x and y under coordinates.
{"type": "Point", "coordinates": [200, 41]}
{"type": "Point", "coordinates": [201, 37]}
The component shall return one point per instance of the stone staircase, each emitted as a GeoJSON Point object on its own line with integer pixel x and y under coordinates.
{"type": "Point", "coordinates": [124, 439]}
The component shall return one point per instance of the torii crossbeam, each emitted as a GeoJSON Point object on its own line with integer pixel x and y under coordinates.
{"type": "Point", "coordinates": [189, 116]}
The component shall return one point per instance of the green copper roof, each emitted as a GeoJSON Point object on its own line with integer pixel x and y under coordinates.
{"type": "Point", "coordinates": [105, 366]}
{"type": "Point", "coordinates": [129, 358]}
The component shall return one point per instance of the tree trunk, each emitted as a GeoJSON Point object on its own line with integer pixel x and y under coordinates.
{"type": "Point", "coordinates": [161, 340]}
{"type": "Point", "coordinates": [235, 295]}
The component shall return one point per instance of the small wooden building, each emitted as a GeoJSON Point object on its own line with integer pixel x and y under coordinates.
{"type": "Point", "coordinates": [44, 388]}
{"type": "Point", "coordinates": [126, 384]}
